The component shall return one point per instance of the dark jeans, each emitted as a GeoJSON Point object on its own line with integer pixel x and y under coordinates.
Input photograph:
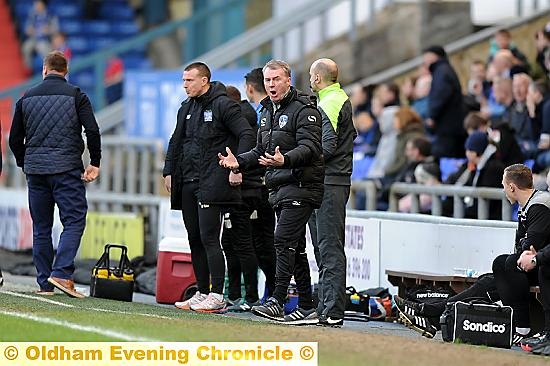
{"type": "Point", "coordinates": [290, 246]}
{"type": "Point", "coordinates": [263, 228]}
{"type": "Point", "coordinates": [513, 287]}
{"type": "Point", "coordinates": [239, 251]}
{"type": "Point", "coordinates": [203, 224]}
{"type": "Point", "coordinates": [327, 226]}
{"type": "Point", "coordinates": [67, 191]}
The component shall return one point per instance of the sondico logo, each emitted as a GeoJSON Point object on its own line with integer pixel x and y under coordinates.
{"type": "Point", "coordinates": [480, 327]}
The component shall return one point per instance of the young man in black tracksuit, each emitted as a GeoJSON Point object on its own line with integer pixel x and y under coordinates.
{"type": "Point", "coordinates": [530, 264]}
{"type": "Point", "coordinates": [207, 122]}
{"type": "Point", "coordinates": [513, 277]}
{"type": "Point", "coordinates": [289, 145]}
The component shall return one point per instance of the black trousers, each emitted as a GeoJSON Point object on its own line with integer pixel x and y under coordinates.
{"type": "Point", "coordinates": [290, 246]}
{"type": "Point", "coordinates": [263, 228]}
{"type": "Point", "coordinates": [513, 287]}
{"type": "Point", "coordinates": [239, 251]}
{"type": "Point", "coordinates": [327, 226]}
{"type": "Point", "coordinates": [203, 224]}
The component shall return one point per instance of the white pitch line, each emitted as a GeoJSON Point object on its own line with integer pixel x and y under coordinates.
{"type": "Point", "coordinates": [82, 308]}
{"type": "Point", "coordinates": [38, 299]}
{"type": "Point", "coordinates": [78, 327]}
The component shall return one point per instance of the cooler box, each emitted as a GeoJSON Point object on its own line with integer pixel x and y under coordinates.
{"type": "Point", "coordinates": [175, 276]}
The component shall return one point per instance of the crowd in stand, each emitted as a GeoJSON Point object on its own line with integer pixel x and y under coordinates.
{"type": "Point", "coordinates": [503, 118]}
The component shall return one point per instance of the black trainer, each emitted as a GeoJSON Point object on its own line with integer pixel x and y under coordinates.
{"type": "Point", "coordinates": [271, 309]}
{"type": "Point", "coordinates": [330, 322]}
{"type": "Point", "coordinates": [418, 323]}
{"type": "Point", "coordinates": [241, 306]}
{"type": "Point", "coordinates": [408, 307]}
{"type": "Point", "coordinates": [528, 344]}
{"type": "Point", "coordinates": [542, 348]}
{"type": "Point", "coordinates": [302, 317]}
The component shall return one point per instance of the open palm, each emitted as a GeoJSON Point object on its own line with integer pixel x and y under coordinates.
{"type": "Point", "coordinates": [228, 161]}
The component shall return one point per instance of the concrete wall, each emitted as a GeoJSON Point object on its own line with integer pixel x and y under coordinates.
{"type": "Point", "coordinates": [401, 31]}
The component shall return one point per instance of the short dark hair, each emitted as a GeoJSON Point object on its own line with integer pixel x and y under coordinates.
{"type": "Point", "coordinates": [233, 93]}
{"type": "Point", "coordinates": [56, 61]}
{"type": "Point", "coordinates": [201, 67]}
{"type": "Point", "coordinates": [475, 120]}
{"type": "Point", "coordinates": [520, 175]}
{"type": "Point", "coordinates": [423, 145]}
{"type": "Point", "coordinates": [436, 50]}
{"type": "Point", "coordinates": [541, 86]}
{"type": "Point", "coordinates": [504, 32]}
{"type": "Point", "coordinates": [255, 78]}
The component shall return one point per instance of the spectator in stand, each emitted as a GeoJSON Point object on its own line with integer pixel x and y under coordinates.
{"type": "Point", "coordinates": [538, 105]}
{"type": "Point", "coordinates": [408, 89]}
{"type": "Point", "coordinates": [503, 41]}
{"type": "Point", "coordinates": [542, 44]}
{"type": "Point", "coordinates": [364, 120]}
{"type": "Point", "coordinates": [59, 43]}
{"type": "Point", "coordinates": [501, 132]}
{"type": "Point", "coordinates": [421, 92]}
{"type": "Point", "coordinates": [384, 106]}
{"type": "Point", "coordinates": [264, 221]}
{"type": "Point", "coordinates": [236, 239]}
{"type": "Point", "coordinates": [39, 27]}
{"type": "Point", "coordinates": [445, 106]}
{"type": "Point", "coordinates": [525, 132]}
{"type": "Point", "coordinates": [479, 87]}
{"type": "Point", "coordinates": [428, 174]}
{"type": "Point", "coordinates": [482, 169]}
{"type": "Point", "coordinates": [408, 125]}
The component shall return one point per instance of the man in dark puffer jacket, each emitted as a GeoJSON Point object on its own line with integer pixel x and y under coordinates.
{"type": "Point", "coordinates": [289, 145]}
{"type": "Point", "coordinates": [46, 140]}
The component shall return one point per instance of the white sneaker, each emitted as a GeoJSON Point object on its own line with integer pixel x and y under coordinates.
{"type": "Point", "coordinates": [210, 305]}
{"type": "Point", "coordinates": [194, 300]}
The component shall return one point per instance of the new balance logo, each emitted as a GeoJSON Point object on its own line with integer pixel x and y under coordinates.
{"type": "Point", "coordinates": [481, 327]}
{"type": "Point", "coordinates": [432, 294]}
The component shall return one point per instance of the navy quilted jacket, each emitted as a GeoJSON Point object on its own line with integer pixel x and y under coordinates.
{"type": "Point", "coordinates": [46, 132]}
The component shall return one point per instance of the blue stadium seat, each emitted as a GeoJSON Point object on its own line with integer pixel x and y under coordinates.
{"type": "Point", "coordinates": [136, 62]}
{"type": "Point", "coordinates": [449, 165]}
{"type": "Point", "coordinates": [83, 79]}
{"type": "Point", "coordinates": [124, 28]}
{"type": "Point", "coordinates": [67, 10]}
{"type": "Point", "coordinates": [79, 45]}
{"type": "Point", "coordinates": [116, 12]}
{"type": "Point", "coordinates": [98, 27]}
{"type": "Point", "coordinates": [71, 27]}
{"type": "Point", "coordinates": [530, 163]}
{"type": "Point", "coordinates": [361, 168]}
{"type": "Point", "coordinates": [99, 42]}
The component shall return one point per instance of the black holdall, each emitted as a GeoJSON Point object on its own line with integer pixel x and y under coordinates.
{"type": "Point", "coordinates": [477, 322]}
{"type": "Point", "coordinates": [115, 283]}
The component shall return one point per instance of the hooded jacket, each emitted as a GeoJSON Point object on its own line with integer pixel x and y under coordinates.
{"type": "Point", "coordinates": [206, 125]}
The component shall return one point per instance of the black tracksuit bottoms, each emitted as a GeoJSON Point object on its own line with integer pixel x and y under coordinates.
{"type": "Point", "coordinates": [203, 224]}
{"type": "Point", "coordinates": [513, 287]}
{"type": "Point", "coordinates": [290, 246]}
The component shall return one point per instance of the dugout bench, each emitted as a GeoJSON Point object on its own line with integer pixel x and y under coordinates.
{"type": "Point", "coordinates": [404, 280]}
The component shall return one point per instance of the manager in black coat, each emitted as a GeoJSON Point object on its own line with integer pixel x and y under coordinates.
{"type": "Point", "coordinates": [289, 145]}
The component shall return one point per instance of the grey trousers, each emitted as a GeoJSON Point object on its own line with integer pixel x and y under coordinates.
{"type": "Point", "coordinates": [327, 227]}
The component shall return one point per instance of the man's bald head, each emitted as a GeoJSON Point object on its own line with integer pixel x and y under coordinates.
{"type": "Point", "coordinates": [323, 72]}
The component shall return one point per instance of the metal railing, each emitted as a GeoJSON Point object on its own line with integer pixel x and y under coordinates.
{"type": "Point", "coordinates": [128, 165]}
{"type": "Point", "coordinates": [482, 194]}
{"type": "Point", "coordinates": [368, 188]}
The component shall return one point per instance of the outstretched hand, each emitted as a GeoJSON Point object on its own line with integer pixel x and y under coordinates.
{"type": "Point", "coordinates": [277, 159]}
{"type": "Point", "coordinates": [229, 161]}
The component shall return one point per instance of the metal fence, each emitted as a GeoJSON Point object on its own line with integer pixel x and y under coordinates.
{"type": "Point", "coordinates": [482, 194]}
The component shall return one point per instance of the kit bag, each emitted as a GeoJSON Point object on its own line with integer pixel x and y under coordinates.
{"type": "Point", "coordinates": [479, 322]}
{"type": "Point", "coordinates": [113, 282]}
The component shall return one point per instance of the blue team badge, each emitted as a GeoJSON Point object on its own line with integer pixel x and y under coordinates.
{"type": "Point", "coordinates": [283, 120]}
{"type": "Point", "coordinates": [208, 115]}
